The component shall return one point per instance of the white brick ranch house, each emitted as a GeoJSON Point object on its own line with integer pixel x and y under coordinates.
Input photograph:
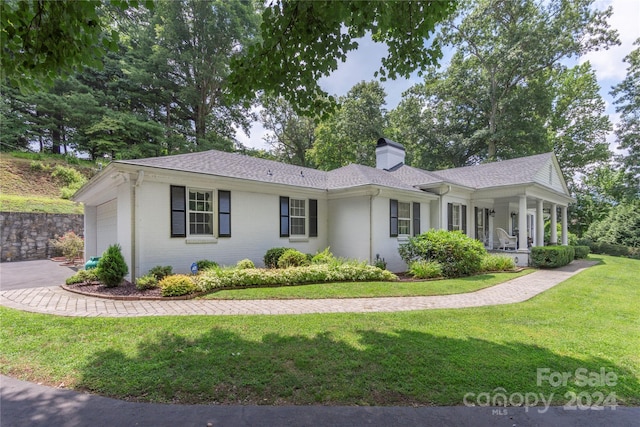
{"type": "Point", "coordinates": [224, 207]}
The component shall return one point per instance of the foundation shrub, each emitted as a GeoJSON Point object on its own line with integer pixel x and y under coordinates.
{"type": "Point", "coordinates": [551, 256]}
{"type": "Point", "coordinates": [292, 258]}
{"type": "Point", "coordinates": [581, 251]}
{"type": "Point", "coordinates": [491, 262]}
{"type": "Point", "coordinates": [272, 256]}
{"type": "Point", "coordinates": [245, 264]}
{"type": "Point", "coordinates": [112, 268]}
{"type": "Point", "coordinates": [458, 254]}
{"type": "Point", "coordinates": [315, 273]}
{"type": "Point", "coordinates": [422, 269]}
{"type": "Point", "coordinates": [82, 276]}
{"type": "Point", "coordinates": [177, 285]}
{"type": "Point", "coordinates": [160, 272]}
{"type": "Point", "coordinates": [147, 282]}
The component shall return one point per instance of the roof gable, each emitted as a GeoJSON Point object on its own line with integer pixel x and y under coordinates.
{"type": "Point", "coordinates": [524, 170]}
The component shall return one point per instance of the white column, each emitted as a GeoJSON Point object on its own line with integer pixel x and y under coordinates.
{"type": "Point", "coordinates": [539, 224]}
{"type": "Point", "coordinates": [553, 240]}
{"type": "Point", "coordinates": [565, 234]}
{"type": "Point", "coordinates": [522, 224]}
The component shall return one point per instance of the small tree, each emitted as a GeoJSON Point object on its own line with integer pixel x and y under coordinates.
{"type": "Point", "coordinates": [112, 268]}
{"type": "Point", "coordinates": [70, 244]}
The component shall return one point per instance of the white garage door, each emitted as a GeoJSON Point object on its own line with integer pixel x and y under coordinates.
{"type": "Point", "coordinates": [107, 224]}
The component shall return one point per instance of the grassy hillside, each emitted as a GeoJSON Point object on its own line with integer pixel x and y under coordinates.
{"type": "Point", "coordinates": [30, 183]}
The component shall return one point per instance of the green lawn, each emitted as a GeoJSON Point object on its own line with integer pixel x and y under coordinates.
{"type": "Point", "coordinates": [13, 203]}
{"type": "Point", "coordinates": [370, 289]}
{"type": "Point", "coordinates": [431, 357]}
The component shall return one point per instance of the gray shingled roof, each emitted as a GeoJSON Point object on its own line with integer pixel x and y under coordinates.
{"type": "Point", "coordinates": [220, 163]}
{"type": "Point", "coordinates": [358, 175]}
{"type": "Point", "coordinates": [496, 174]}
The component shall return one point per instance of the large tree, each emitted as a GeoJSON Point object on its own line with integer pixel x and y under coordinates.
{"type": "Point", "coordinates": [291, 135]}
{"type": "Point", "coordinates": [510, 42]}
{"type": "Point", "coordinates": [348, 135]}
{"type": "Point", "coordinates": [627, 102]}
{"type": "Point", "coordinates": [304, 40]}
{"type": "Point", "coordinates": [197, 39]}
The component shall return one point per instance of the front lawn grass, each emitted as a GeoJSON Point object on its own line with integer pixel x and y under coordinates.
{"type": "Point", "coordinates": [430, 357]}
{"type": "Point", "coordinates": [370, 289]}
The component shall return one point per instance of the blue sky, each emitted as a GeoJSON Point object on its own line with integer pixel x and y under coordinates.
{"type": "Point", "coordinates": [362, 64]}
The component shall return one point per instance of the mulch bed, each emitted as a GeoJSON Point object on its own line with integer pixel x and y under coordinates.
{"type": "Point", "coordinates": [125, 291]}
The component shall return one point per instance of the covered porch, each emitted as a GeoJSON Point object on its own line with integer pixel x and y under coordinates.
{"type": "Point", "coordinates": [521, 213]}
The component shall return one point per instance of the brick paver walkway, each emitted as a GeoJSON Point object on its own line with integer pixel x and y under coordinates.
{"type": "Point", "coordinates": [55, 300]}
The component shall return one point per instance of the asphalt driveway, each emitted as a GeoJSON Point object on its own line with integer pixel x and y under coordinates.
{"type": "Point", "coordinates": [32, 274]}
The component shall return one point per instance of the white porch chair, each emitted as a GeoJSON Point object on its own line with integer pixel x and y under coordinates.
{"type": "Point", "coordinates": [506, 241]}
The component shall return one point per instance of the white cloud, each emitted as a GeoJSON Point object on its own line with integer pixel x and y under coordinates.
{"type": "Point", "coordinates": [609, 63]}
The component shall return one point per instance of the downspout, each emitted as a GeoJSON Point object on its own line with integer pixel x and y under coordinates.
{"type": "Point", "coordinates": [371, 196]}
{"type": "Point", "coordinates": [134, 202]}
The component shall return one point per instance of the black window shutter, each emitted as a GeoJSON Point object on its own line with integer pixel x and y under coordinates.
{"type": "Point", "coordinates": [416, 218]}
{"type": "Point", "coordinates": [313, 218]}
{"type": "Point", "coordinates": [450, 216]}
{"type": "Point", "coordinates": [284, 216]}
{"type": "Point", "coordinates": [475, 221]}
{"type": "Point", "coordinates": [224, 213]}
{"type": "Point", "coordinates": [393, 216]}
{"type": "Point", "coordinates": [178, 211]}
{"type": "Point", "coordinates": [463, 214]}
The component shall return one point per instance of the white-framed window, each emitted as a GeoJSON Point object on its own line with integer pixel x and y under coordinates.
{"type": "Point", "coordinates": [200, 212]}
{"type": "Point", "coordinates": [404, 218]}
{"type": "Point", "coordinates": [455, 219]}
{"type": "Point", "coordinates": [294, 214]}
{"type": "Point", "coordinates": [401, 217]}
{"type": "Point", "coordinates": [298, 217]}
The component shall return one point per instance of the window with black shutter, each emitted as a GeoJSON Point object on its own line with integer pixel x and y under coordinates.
{"type": "Point", "coordinates": [224, 213]}
{"type": "Point", "coordinates": [313, 218]}
{"type": "Point", "coordinates": [284, 216]}
{"type": "Point", "coordinates": [416, 218]}
{"type": "Point", "coordinates": [393, 218]}
{"type": "Point", "coordinates": [178, 211]}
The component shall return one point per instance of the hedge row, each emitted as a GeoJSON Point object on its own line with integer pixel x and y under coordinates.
{"type": "Point", "coordinates": [611, 249]}
{"type": "Point", "coordinates": [552, 256]}
{"type": "Point", "coordinates": [317, 273]}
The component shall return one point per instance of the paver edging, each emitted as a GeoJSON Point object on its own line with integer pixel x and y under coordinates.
{"type": "Point", "coordinates": [131, 298]}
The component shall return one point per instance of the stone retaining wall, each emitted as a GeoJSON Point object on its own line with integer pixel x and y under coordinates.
{"type": "Point", "coordinates": [25, 236]}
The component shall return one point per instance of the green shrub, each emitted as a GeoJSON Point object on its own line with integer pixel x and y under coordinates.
{"type": "Point", "coordinates": [581, 251]}
{"type": "Point", "coordinates": [112, 268]}
{"type": "Point", "coordinates": [147, 282]}
{"type": "Point", "coordinates": [68, 176]}
{"type": "Point", "coordinates": [245, 263]}
{"type": "Point", "coordinates": [458, 254]}
{"type": "Point", "coordinates": [324, 257]}
{"type": "Point", "coordinates": [272, 256]}
{"type": "Point", "coordinates": [425, 269]}
{"type": "Point", "coordinates": [551, 256]}
{"type": "Point", "coordinates": [37, 166]}
{"type": "Point", "coordinates": [205, 264]}
{"type": "Point", "coordinates": [292, 258]}
{"type": "Point", "coordinates": [70, 245]}
{"type": "Point", "coordinates": [316, 273]}
{"type": "Point", "coordinates": [82, 276]}
{"type": "Point", "coordinates": [380, 263]}
{"type": "Point", "coordinates": [161, 271]}
{"type": "Point", "coordinates": [492, 262]}
{"type": "Point", "coordinates": [177, 285]}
